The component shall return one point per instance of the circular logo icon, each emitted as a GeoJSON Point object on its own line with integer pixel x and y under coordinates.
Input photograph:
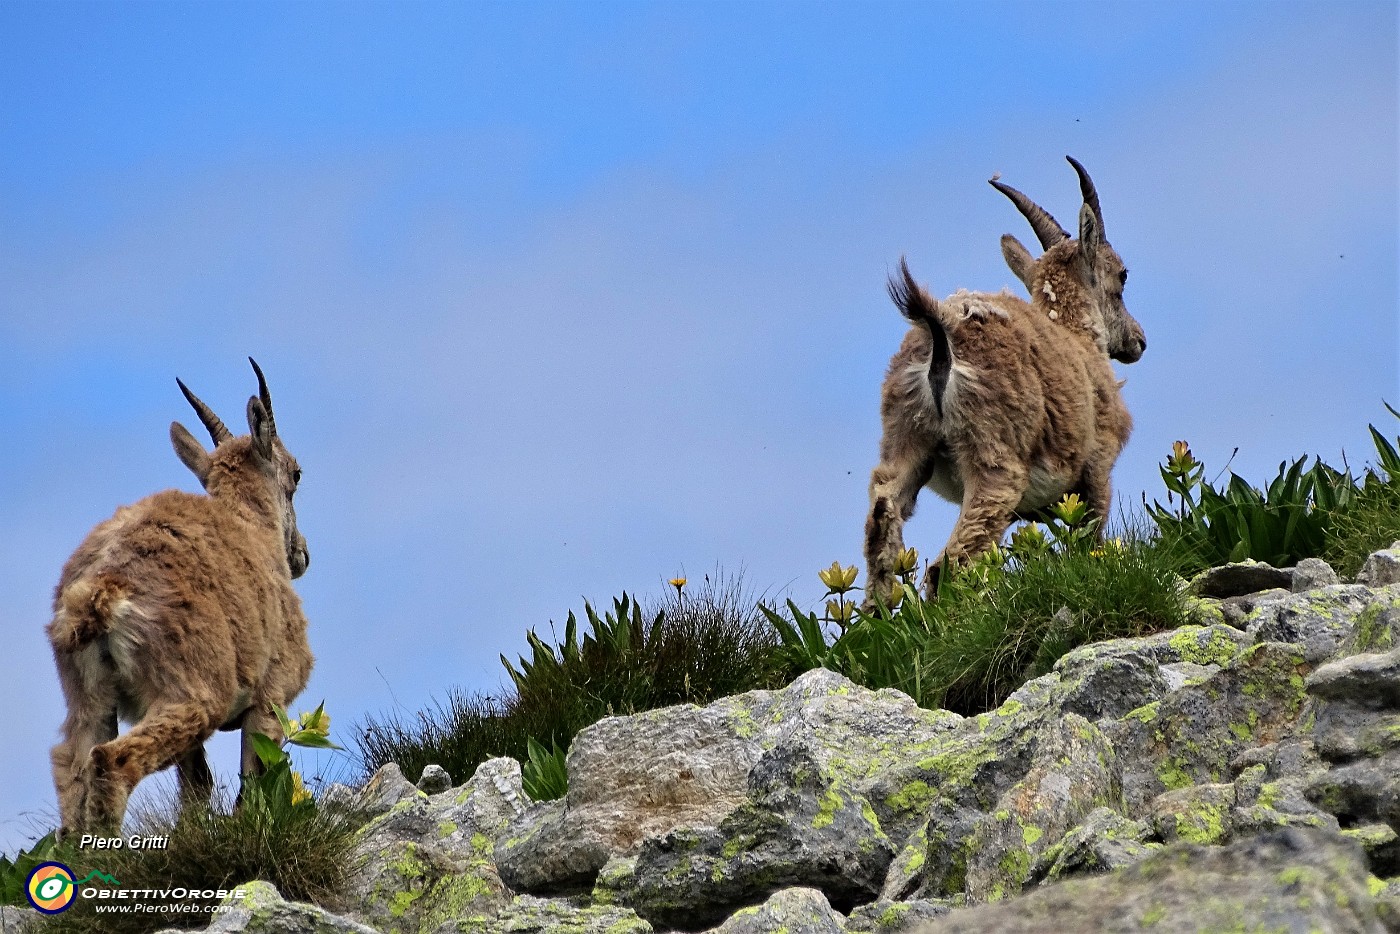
{"type": "Point", "coordinates": [50, 888]}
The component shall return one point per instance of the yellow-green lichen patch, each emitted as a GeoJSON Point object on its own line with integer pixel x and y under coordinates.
{"type": "Point", "coordinates": [1144, 714]}
{"type": "Point", "coordinates": [1298, 876]}
{"type": "Point", "coordinates": [1172, 774]}
{"type": "Point", "coordinates": [827, 806]}
{"type": "Point", "coordinates": [455, 895]}
{"type": "Point", "coordinates": [1370, 633]}
{"type": "Point", "coordinates": [916, 861]}
{"type": "Point", "coordinates": [891, 916]}
{"type": "Point", "coordinates": [736, 845]}
{"type": "Point", "coordinates": [1015, 865]}
{"type": "Point", "coordinates": [1153, 915]}
{"type": "Point", "coordinates": [868, 814]}
{"type": "Point", "coordinates": [1204, 646]}
{"type": "Point", "coordinates": [446, 829]}
{"type": "Point", "coordinates": [1204, 824]}
{"type": "Point", "coordinates": [1204, 612]}
{"type": "Point", "coordinates": [1372, 836]}
{"type": "Point", "coordinates": [744, 725]}
{"type": "Point", "coordinates": [914, 798]}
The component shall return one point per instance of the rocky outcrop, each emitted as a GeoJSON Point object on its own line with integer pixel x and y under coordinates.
{"type": "Point", "coordinates": [262, 910]}
{"type": "Point", "coordinates": [1243, 773]}
{"type": "Point", "coordinates": [426, 859]}
{"type": "Point", "coordinates": [1285, 880]}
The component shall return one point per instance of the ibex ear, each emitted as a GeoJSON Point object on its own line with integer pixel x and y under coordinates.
{"type": "Point", "coordinates": [260, 427]}
{"type": "Point", "coordinates": [1018, 258]}
{"type": "Point", "coordinates": [190, 451]}
{"type": "Point", "coordinates": [1090, 233]}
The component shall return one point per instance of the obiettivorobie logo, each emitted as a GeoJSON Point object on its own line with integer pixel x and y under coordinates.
{"type": "Point", "coordinates": [51, 887]}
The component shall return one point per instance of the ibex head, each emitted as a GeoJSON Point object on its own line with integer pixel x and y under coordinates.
{"type": "Point", "coordinates": [257, 469]}
{"type": "Point", "coordinates": [1086, 276]}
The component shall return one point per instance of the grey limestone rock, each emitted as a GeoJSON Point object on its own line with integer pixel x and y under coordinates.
{"type": "Point", "coordinates": [17, 920]}
{"type": "Point", "coordinates": [262, 910]}
{"type": "Point", "coordinates": [530, 915]}
{"type": "Point", "coordinates": [683, 766]}
{"type": "Point", "coordinates": [1073, 771]}
{"type": "Point", "coordinates": [1196, 813]}
{"type": "Point", "coordinates": [1271, 788]}
{"type": "Point", "coordinates": [1283, 880]}
{"type": "Point", "coordinates": [1381, 568]}
{"type": "Point", "coordinates": [790, 911]}
{"type": "Point", "coordinates": [1311, 574]}
{"type": "Point", "coordinates": [1239, 579]}
{"type": "Point", "coordinates": [434, 780]}
{"type": "Point", "coordinates": [427, 859]}
{"type": "Point", "coordinates": [894, 917]}
{"type": "Point", "coordinates": [1191, 735]}
{"type": "Point", "coordinates": [1318, 620]}
{"type": "Point", "coordinates": [1105, 841]}
{"type": "Point", "coordinates": [794, 794]}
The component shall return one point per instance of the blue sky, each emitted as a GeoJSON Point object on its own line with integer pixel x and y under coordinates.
{"type": "Point", "coordinates": [562, 300]}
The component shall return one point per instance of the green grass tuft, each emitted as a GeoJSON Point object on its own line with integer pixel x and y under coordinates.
{"type": "Point", "coordinates": [998, 623]}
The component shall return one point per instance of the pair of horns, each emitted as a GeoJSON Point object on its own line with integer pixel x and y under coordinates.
{"type": "Point", "coordinates": [218, 431]}
{"type": "Point", "coordinates": [1048, 230]}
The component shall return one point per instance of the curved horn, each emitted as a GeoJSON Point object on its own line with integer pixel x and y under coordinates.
{"type": "Point", "coordinates": [264, 394]}
{"type": "Point", "coordinates": [217, 429]}
{"type": "Point", "coordinates": [1086, 187]}
{"type": "Point", "coordinates": [1047, 230]}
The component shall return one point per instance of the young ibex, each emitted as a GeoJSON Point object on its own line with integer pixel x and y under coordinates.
{"type": "Point", "coordinates": [1001, 406]}
{"type": "Point", "coordinates": [178, 615]}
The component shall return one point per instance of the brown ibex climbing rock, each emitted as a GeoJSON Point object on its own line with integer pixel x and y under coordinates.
{"type": "Point", "coordinates": [1001, 406]}
{"type": "Point", "coordinates": [178, 615]}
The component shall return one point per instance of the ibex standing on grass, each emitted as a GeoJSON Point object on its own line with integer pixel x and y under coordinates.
{"type": "Point", "coordinates": [178, 615]}
{"type": "Point", "coordinates": [1001, 406]}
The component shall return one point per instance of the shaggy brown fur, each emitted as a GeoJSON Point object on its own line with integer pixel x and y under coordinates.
{"type": "Point", "coordinates": [1002, 406]}
{"type": "Point", "coordinates": [178, 615]}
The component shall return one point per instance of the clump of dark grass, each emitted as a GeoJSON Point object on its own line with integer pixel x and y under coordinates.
{"type": "Point", "coordinates": [1371, 522]}
{"type": "Point", "coordinates": [305, 850]}
{"type": "Point", "coordinates": [1372, 519]}
{"type": "Point", "coordinates": [691, 646]}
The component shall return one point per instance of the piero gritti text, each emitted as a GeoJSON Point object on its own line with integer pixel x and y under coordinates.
{"type": "Point", "coordinates": [136, 842]}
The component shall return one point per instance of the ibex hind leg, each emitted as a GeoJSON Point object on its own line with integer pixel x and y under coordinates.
{"type": "Point", "coordinates": [196, 781]}
{"type": "Point", "coordinates": [91, 721]}
{"type": "Point", "coordinates": [894, 489]}
{"type": "Point", "coordinates": [70, 759]}
{"type": "Point", "coordinates": [163, 737]}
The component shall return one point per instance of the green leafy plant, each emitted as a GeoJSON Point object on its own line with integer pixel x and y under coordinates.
{"type": "Point", "coordinates": [543, 774]}
{"type": "Point", "coordinates": [1281, 524]}
{"type": "Point", "coordinates": [278, 791]}
{"type": "Point", "coordinates": [14, 873]}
